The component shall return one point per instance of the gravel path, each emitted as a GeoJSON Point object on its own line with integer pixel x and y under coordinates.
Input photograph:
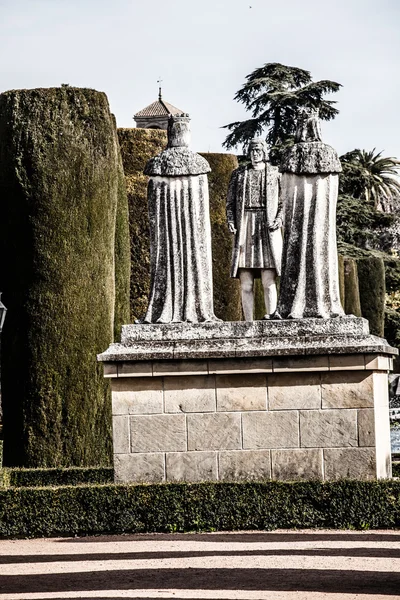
{"type": "Point", "coordinates": [280, 565]}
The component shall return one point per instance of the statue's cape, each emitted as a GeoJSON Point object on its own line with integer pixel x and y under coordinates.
{"type": "Point", "coordinates": [310, 158]}
{"type": "Point", "coordinates": [174, 162]}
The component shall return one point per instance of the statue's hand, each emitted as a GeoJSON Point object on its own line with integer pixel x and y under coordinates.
{"type": "Point", "coordinates": [231, 227]}
{"type": "Point", "coordinates": [277, 224]}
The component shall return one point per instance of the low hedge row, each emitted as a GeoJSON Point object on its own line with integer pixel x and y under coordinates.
{"type": "Point", "coordinates": [80, 510]}
{"type": "Point", "coordinates": [67, 476]}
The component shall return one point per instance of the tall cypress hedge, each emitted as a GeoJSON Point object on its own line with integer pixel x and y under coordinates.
{"type": "Point", "coordinates": [59, 188]}
{"type": "Point", "coordinates": [371, 280]}
{"type": "Point", "coordinates": [352, 304]}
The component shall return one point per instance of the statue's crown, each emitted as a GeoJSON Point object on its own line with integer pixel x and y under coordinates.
{"type": "Point", "coordinates": [178, 130]}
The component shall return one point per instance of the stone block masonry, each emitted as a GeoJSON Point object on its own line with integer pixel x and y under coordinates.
{"type": "Point", "coordinates": [240, 417]}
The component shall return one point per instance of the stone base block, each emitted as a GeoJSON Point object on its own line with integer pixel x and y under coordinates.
{"type": "Point", "coordinates": [249, 417]}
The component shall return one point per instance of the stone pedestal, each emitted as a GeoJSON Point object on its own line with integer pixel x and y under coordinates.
{"type": "Point", "coordinates": [237, 401]}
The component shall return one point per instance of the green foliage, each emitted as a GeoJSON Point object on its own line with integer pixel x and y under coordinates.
{"type": "Point", "coordinates": [57, 477]}
{"type": "Point", "coordinates": [371, 279]}
{"type": "Point", "coordinates": [369, 175]}
{"type": "Point", "coordinates": [227, 303]}
{"type": "Point", "coordinates": [392, 327]}
{"type": "Point", "coordinates": [58, 194]}
{"type": "Point", "coordinates": [396, 469]}
{"type": "Point", "coordinates": [137, 147]}
{"type": "Point", "coordinates": [351, 290]}
{"type": "Point", "coordinates": [89, 510]}
{"type": "Point", "coordinates": [274, 95]}
{"type": "Point", "coordinates": [359, 223]}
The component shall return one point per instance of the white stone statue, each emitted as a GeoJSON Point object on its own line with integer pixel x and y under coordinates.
{"type": "Point", "coordinates": [309, 284]}
{"type": "Point", "coordinates": [254, 216]}
{"type": "Point", "coordinates": [181, 287]}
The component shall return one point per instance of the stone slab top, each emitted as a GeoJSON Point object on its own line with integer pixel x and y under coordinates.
{"type": "Point", "coordinates": [297, 337]}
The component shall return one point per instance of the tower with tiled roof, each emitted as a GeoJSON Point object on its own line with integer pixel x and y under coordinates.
{"type": "Point", "coordinates": [155, 116]}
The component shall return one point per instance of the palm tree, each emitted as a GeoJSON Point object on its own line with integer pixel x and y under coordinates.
{"type": "Point", "coordinates": [275, 95]}
{"type": "Point", "coordinates": [370, 175]}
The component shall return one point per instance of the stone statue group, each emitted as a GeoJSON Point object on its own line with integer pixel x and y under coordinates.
{"type": "Point", "coordinates": [283, 221]}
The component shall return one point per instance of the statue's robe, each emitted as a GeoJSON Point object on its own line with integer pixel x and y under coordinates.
{"type": "Point", "coordinates": [309, 284]}
{"type": "Point", "coordinates": [181, 286]}
{"type": "Point", "coordinates": [238, 197]}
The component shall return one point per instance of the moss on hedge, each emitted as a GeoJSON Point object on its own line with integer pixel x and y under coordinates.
{"type": "Point", "coordinates": [227, 303]}
{"type": "Point", "coordinates": [88, 510]}
{"type": "Point", "coordinates": [137, 147]}
{"type": "Point", "coordinates": [59, 190]}
{"type": "Point", "coordinates": [371, 278]}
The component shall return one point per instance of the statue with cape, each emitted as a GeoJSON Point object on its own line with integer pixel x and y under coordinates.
{"type": "Point", "coordinates": [181, 288]}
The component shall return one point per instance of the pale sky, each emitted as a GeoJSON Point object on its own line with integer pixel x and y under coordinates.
{"type": "Point", "coordinates": [203, 51]}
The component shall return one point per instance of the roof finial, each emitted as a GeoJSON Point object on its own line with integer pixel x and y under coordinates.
{"type": "Point", "coordinates": [159, 80]}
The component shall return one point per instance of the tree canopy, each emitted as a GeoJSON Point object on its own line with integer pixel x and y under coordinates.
{"type": "Point", "coordinates": [371, 176]}
{"type": "Point", "coordinates": [274, 95]}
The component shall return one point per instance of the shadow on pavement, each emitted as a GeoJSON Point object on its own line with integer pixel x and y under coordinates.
{"type": "Point", "coordinates": [311, 580]}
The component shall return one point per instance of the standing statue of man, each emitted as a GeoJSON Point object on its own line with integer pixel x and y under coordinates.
{"type": "Point", "coordinates": [254, 216]}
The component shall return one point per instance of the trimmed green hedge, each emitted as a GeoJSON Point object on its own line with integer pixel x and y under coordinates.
{"type": "Point", "coordinates": [56, 477]}
{"type": "Point", "coordinates": [351, 289]}
{"type": "Point", "coordinates": [396, 469]}
{"type": "Point", "coordinates": [371, 280]}
{"type": "Point", "coordinates": [88, 510]}
{"type": "Point", "coordinates": [59, 189]}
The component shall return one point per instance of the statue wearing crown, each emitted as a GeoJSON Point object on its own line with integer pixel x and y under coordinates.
{"type": "Point", "coordinates": [181, 288]}
{"type": "Point", "coordinates": [254, 216]}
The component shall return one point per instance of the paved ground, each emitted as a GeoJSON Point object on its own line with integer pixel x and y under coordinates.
{"type": "Point", "coordinates": [247, 565]}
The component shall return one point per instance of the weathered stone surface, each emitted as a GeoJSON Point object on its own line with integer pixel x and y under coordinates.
{"type": "Point", "coordinates": [328, 428]}
{"type": "Point", "coordinates": [244, 465]}
{"type": "Point", "coordinates": [158, 433]}
{"type": "Point", "coordinates": [241, 392]}
{"type": "Point", "coordinates": [214, 431]}
{"type": "Point", "coordinates": [347, 389]}
{"type": "Point", "coordinates": [121, 435]}
{"type": "Point", "coordinates": [243, 365]}
{"type": "Point", "coordinates": [110, 370]}
{"type": "Point", "coordinates": [138, 468]}
{"type": "Point", "coordinates": [348, 362]}
{"type": "Point", "coordinates": [287, 391]}
{"type": "Point", "coordinates": [354, 326]}
{"type": "Point", "coordinates": [137, 396]}
{"type": "Point", "coordinates": [378, 363]}
{"type": "Point", "coordinates": [135, 369]}
{"type": "Point", "coordinates": [366, 427]}
{"type": "Point", "coordinates": [357, 463]}
{"type": "Point", "coordinates": [193, 393]}
{"type": "Point", "coordinates": [288, 465]}
{"type": "Point", "coordinates": [301, 363]}
{"type": "Point", "coordinates": [271, 430]}
{"type": "Point", "coordinates": [191, 466]}
{"type": "Point", "coordinates": [301, 337]}
{"type": "Point", "coordinates": [174, 162]}
{"type": "Point", "coordinates": [382, 425]}
{"type": "Point", "coordinates": [180, 367]}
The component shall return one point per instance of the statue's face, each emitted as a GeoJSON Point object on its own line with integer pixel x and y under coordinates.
{"type": "Point", "coordinates": [257, 154]}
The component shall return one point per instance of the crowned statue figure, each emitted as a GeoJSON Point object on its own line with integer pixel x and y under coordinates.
{"type": "Point", "coordinates": [254, 215]}
{"type": "Point", "coordinates": [181, 288]}
{"type": "Point", "coordinates": [309, 285]}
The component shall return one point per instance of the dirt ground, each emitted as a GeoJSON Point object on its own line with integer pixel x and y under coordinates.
{"type": "Point", "coordinates": [278, 565]}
